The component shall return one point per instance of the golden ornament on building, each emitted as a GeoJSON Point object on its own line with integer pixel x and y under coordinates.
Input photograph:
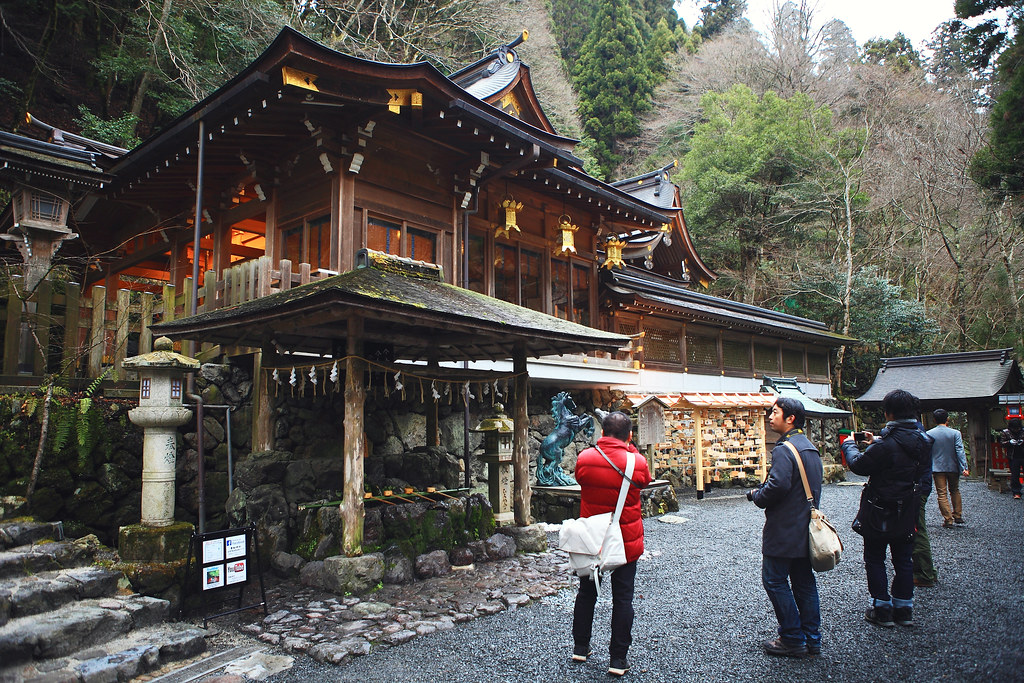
{"type": "Point", "coordinates": [567, 244]}
{"type": "Point", "coordinates": [512, 207]}
{"type": "Point", "coordinates": [613, 253]}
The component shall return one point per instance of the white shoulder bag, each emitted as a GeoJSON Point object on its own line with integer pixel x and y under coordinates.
{"type": "Point", "coordinates": [594, 543]}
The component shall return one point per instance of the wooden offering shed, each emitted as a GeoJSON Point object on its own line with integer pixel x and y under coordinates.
{"type": "Point", "coordinates": [723, 436]}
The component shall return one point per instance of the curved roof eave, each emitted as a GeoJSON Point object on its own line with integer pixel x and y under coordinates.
{"type": "Point", "coordinates": [292, 44]}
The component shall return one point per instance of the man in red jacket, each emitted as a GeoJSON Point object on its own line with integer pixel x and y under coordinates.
{"type": "Point", "coordinates": [600, 481]}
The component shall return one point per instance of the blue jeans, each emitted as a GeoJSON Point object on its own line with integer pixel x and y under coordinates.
{"type": "Point", "coordinates": [622, 611]}
{"type": "Point", "coordinates": [902, 564]}
{"type": "Point", "coordinates": [793, 591]}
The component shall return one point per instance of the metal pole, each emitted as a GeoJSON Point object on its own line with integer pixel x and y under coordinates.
{"type": "Point", "coordinates": [196, 236]}
{"type": "Point", "coordinates": [465, 364]}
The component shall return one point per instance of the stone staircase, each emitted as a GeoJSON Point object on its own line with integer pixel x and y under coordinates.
{"type": "Point", "coordinates": [64, 619]}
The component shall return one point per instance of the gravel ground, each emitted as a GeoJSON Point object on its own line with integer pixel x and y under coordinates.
{"type": "Point", "coordinates": [702, 614]}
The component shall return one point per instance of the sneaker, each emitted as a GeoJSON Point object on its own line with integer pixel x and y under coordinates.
{"type": "Point", "coordinates": [904, 616]}
{"type": "Point", "coordinates": [813, 650]}
{"type": "Point", "coordinates": [779, 648]}
{"type": "Point", "coordinates": [580, 653]}
{"type": "Point", "coordinates": [880, 616]}
{"type": "Point", "coordinates": [924, 583]}
{"type": "Point", "coordinates": [618, 666]}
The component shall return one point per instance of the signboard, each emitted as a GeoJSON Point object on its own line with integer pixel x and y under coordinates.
{"type": "Point", "coordinates": [219, 564]}
{"type": "Point", "coordinates": [224, 558]}
{"type": "Point", "coordinates": [650, 422]}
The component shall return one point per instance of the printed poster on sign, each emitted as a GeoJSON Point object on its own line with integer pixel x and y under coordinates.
{"type": "Point", "coordinates": [213, 577]}
{"type": "Point", "coordinates": [234, 546]}
{"type": "Point", "coordinates": [213, 551]}
{"type": "Point", "coordinates": [235, 572]}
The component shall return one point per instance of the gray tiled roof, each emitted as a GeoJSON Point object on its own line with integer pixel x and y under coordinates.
{"type": "Point", "coordinates": [948, 376]}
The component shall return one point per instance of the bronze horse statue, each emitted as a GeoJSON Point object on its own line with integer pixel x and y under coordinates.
{"type": "Point", "coordinates": [567, 425]}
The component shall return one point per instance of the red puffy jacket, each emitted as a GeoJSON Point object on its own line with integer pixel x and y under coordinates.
{"type": "Point", "coordinates": [599, 486]}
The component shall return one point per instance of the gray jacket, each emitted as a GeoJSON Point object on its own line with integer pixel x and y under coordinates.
{"type": "Point", "coordinates": [948, 450]}
{"type": "Point", "coordinates": [786, 512]}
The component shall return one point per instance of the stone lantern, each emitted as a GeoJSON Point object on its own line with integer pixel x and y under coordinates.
{"type": "Point", "coordinates": [160, 413]}
{"type": "Point", "coordinates": [498, 432]}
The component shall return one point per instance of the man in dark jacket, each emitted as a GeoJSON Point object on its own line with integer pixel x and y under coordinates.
{"type": "Point", "coordinates": [600, 482]}
{"type": "Point", "coordinates": [785, 563]}
{"type": "Point", "coordinates": [1012, 439]}
{"type": "Point", "coordinates": [898, 464]}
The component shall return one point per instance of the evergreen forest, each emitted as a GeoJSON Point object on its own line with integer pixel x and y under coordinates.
{"type": "Point", "coordinates": [876, 187]}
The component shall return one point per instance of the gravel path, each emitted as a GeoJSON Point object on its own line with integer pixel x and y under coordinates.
{"type": "Point", "coordinates": [701, 612]}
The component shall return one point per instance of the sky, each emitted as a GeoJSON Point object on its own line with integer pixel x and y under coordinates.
{"type": "Point", "coordinates": [867, 19]}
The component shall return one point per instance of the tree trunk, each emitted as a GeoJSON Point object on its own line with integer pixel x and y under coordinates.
{"type": "Point", "coordinates": [43, 438]}
{"type": "Point", "coordinates": [147, 75]}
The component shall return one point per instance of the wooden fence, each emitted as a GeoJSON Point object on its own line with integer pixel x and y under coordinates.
{"type": "Point", "coordinates": [66, 333]}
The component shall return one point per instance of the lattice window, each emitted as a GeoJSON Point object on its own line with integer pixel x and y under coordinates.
{"type": "Point", "coordinates": [144, 388]}
{"type": "Point", "coordinates": [701, 350]}
{"type": "Point", "coordinates": [792, 362]}
{"type": "Point", "coordinates": [766, 359]}
{"type": "Point", "coordinates": [736, 354]}
{"type": "Point", "coordinates": [661, 346]}
{"type": "Point", "coordinates": [817, 364]}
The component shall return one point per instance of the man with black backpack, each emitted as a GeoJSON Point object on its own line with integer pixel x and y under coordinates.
{"type": "Point", "coordinates": [898, 464]}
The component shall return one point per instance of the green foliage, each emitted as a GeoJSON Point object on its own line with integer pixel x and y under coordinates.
{"type": "Point", "coordinates": [613, 81]}
{"type": "Point", "coordinates": [120, 132]}
{"type": "Point", "coordinates": [749, 178]}
{"type": "Point", "coordinates": [897, 52]}
{"type": "Point", "coordinates": [717, 15]}
{"type": "Point", "coordinates": [662, 42]}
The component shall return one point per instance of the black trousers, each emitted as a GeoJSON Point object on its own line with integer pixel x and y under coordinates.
{"type": "Point", "coordinates": [622, 611]}
{"type": "Point", "coordinates": [1015, 467]}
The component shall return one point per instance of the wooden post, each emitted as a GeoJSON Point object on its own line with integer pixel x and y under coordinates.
{"type": "Point", "coordinates": [145, 334]}
{"type": "Point", "coordinates": [12, 335]}
{"type": "Point", "coordinates": [262, 410]}
{"type": "Point", "coordinates": [121, 332]}
{"type": "Point", "coordinates": [698, 450]}
{"type": "Point", "coordinates": [72, 310]}
{"type": "Point", "coordinates": [762, 468]}
{"type": "Point", "coordinates": [355, 398]}
{"type": "Point", "coordinates": [44, 303]}
{"type": "Point", "coordinates": [430, 407]}
{"type": "Point", "coordinates": [520, 446]}
{"type": "Point", "coordinates": [97, 335]}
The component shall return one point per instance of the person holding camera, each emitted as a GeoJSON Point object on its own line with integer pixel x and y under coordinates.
{"type": "Point", "coordinates": [898, 464]}
{"type": "Point", "coordinates": [785, 559]}
{"type": "Point", "coordinates": [1012, 439]}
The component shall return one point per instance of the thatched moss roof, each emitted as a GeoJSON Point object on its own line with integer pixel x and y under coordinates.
{"type": "Point", "coordinates": [404, 306]}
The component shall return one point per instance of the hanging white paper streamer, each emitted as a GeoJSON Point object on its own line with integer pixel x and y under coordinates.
{"type": "Point", "coordinates": [276, 377]}
{"type": "Point", "coordinates": [334, 372]}
{"type": "Point", "coordinates": [398, 381]}
{"type": "Point", "coordinates": [433, 391]}
{"type": "Point", "coordinates": [312, 376]}
{"type": "Point", "coordinates": [293, 380]}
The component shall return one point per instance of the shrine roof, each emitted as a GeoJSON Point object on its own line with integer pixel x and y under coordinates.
{"type": "Point", "coordinates": [633, 287]}
{"type": "Point", "coordinates": [404, 306]}
{"type": "Point", "coordinates": [945, 379]}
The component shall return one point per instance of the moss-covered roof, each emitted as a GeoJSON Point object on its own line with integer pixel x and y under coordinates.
{"type": "Point", "coordinates": [405, 307]}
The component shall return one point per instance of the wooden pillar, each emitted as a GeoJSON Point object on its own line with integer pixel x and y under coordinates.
{"type": "Point", "coordinates": [698, 450]}
{"type": "Point", "coordinates": [355, 398]}
{"type": "Point", "coordinates": [977, 435]}
{"type": "Point", "coordinates": [262, 411]}
{"type": "Point", "coordinates": [430, 409]}
{"type": "Point", "coordinates": [520, 445]}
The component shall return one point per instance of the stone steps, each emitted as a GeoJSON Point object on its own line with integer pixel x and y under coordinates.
{"type": "Point", "coordinates": [62, 618]}
{"type": "Point", "coordinates": [120, 659]}
{"type": "Point", "coordinates": [52, 590]}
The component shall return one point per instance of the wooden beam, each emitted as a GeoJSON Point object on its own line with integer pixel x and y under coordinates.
{"type": "Point", "coordinates": [262, 410]}
{"type": "Point", "coordinates": [520, 443]}
{"type": "Point", "coordinates": [355, 398]}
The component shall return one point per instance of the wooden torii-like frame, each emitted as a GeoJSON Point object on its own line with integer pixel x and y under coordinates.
{"type": "Point", "coordinates": [405, 307]}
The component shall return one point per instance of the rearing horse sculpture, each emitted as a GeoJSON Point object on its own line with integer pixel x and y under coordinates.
{"type": "Point", "coordinates": [567, 425]}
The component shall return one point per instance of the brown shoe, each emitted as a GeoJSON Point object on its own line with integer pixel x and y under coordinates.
{"type": "Point", "coordinates": [779, 648]}
{"type": "Point", "coordinates": [947, 524]}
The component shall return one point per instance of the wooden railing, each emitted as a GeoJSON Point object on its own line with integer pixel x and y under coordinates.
{"type": "Point", "coordinates": [83, 336]}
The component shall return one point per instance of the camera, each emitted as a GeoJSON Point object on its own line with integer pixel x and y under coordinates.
{"type": "Point", "coordinates": [860, 436]}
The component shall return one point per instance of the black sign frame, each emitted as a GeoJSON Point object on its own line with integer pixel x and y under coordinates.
{"type": "Point", "coordinates": [219, 563]}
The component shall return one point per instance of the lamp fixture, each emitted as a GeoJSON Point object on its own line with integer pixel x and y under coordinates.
{"type": "Point", "coordinates": [512, 207]}
{"type": "Point", "coordinates": [567, 236]}
{"type": "Point", "coordinates": [613, 253]}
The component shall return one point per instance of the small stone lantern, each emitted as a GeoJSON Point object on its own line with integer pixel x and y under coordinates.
{"type": "Point", "coordinates": [160, 412]}
{"type": "Point", "coordinates": [498, 432]}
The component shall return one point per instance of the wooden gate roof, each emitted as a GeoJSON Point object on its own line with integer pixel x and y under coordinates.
{"type": "Point", "coordinates": [405, 306]}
